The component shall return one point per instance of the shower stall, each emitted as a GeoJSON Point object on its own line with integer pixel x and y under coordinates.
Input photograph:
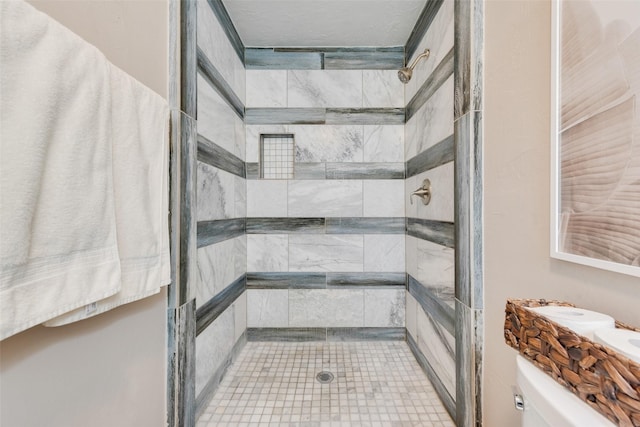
{"type": "Point", "coordinates": [294, 216]}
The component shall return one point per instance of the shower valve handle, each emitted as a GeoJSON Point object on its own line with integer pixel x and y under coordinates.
{"type": "Point", "coordinates": [423, 192]}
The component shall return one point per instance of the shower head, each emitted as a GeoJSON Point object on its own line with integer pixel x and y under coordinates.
{"type": "Point", "coordinates": [405, 73]}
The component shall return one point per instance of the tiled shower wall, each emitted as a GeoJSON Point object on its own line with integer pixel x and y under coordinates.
{"type": "Point", "coordinates": [221, 203]}
{"type": "Point", "coordinates": [429, 153]}
{"type": "Point", "coordinates": [326, 249]}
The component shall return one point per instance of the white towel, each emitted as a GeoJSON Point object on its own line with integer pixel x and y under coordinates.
{"type": "Point", "coordinates": [57, 216]}
{"type": "Point", "coordinates": [83, 177]}
{"type": "Point", "coordinates": [140, 159]}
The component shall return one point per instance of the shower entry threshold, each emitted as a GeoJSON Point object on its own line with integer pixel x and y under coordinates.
{"type": "Point", "coordinates": [374, 384]}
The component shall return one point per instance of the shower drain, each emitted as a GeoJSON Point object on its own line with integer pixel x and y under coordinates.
{"type": "Point", "coordinates": [324, 377]}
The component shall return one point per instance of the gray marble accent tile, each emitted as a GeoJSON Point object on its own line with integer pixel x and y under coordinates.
{"type": "Point", "coordinates": [225, 21]}
{"type": "Point", "coordinates": [287, 334]}
{"type": "Point", "coordinates": [210, 232]}
{"type": "Point", "coordinates": [443, 204]}
{"type": "Point", "coordinates": [365, 116]}
{"type": "Point", "coordinates": [253, 170]}
{"type": "Point", "coordinates": [430, 303]}
{"type": "Point", "coordinates": [218, 122]}
{"type": "Point", "coordinates": [328, 143]}
{"type": "Point", "coordinates": [382, 88]}
{"type": "Point", "coordinates": [181, 333]}
{"type": "Point", "coordinates": [326, 307]}
{"type": "Point", "coordinates": [219, 265]}
{"type": "Point", "coordinates": [212, 154]}
{"type": "Point", "coordinates": [209, 390]}
{"type": "Point", "coordinates": [267, 198]}
{"type": "Point", "coordinates": [267, 88]}
{"type": "Point", "coordinates": [468, 364]}
{"type": "Point", "coordinates": [438, 346]}
{"type": "Point", "coordinates": [338, 253]}
{"type": "Point", "coordinates": [441, 390]}
{"type": "Point", "coordinates": [268, 308]}
{"type": "Point", "coordinates": [283, 116]}
{"type": "Point", "coordinates": [188, 58]}
{"type": "Point", "coordinates": [260, 280]}
{"type": "Point", "coordinates": [212, 348]}
{"type": "Point", "coordinates": [366, 334]}
{"type": "Point", "coordinates": [215, 193]}
{"type": "Point", "coordinates": [365, 59]}
{"type": "Point", "coordinates": [436, 79]}
{"type": "Point", "coordinates": [366, 280]}
{"type": "Point", "coordinates": [439, 232]}
{"type": "Point", "coordinates": [384, 308]}
{"type": "Point", "coordinates": [469, 38]}
{"type": "Point", "coordinates": [384, 198]}
{"type": "Point", "coordinates": [384, 252]}
{"type": "Point", "coordinates": [383, 143]}
{"type": "Point", "coordinates": [285, 226]}
{"type": "Point", "coordinates": [324, 88]}
{"type": "Point", "coordinates": [365, 225]}
{"type": "Point", "coordinates": [432, 157]}
{"type": "Point", "coordinates": [267, 252]}
{"type": "Point", "coordinates": [208, 312]}
{"type": "Point", "coordinates": [217, 81]}
{"type": "Point", "coordinates": [272, 59]}
{"type": "Point", "coordinates": [365, 170]}
{"type": "Point", "coordinates": [218, 48]}
{"type": "Point", "coordinates": [422, 25]}
{"type": "Point", "coordinates": [336, 198]}
{"type": "Point", "coordinates": [309, 170]}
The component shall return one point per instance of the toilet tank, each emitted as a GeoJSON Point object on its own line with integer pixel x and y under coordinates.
{"type": "Point", "coordinates": [548, 404]}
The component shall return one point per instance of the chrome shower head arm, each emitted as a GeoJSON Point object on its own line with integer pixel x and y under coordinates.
{"type": "Point", "coordinates": [424, 54]}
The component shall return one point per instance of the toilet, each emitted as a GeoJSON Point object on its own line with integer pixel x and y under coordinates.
{"type": "Point", "coordinates": [545, 402]}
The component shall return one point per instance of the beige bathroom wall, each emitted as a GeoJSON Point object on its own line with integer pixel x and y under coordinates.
{"type": "Point", "coordinates": [517, 182]}
{"type": "Point", "coordinates": [109, 370]}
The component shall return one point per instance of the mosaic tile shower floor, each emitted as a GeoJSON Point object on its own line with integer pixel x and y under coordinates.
{"type": "Point", "coordinates": [376, 384]}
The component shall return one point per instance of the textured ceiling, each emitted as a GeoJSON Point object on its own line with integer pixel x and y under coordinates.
{"type": "Point", "coordinates": [324, 23]}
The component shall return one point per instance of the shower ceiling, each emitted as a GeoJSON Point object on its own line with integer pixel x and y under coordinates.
{"type": "Point", "coordinates": [324, 23]}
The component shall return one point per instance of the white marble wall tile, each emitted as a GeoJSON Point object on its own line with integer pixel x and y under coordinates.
{"type": "Point", "coordinates": [410, 138]}
{"type": "Point", "coordinates": [266, 88]}
{"type": "Point", "coordinates": [382, 89]}
{"type": "Point", "coordinates": [411, 313]}
{"type": "Point", "coordinates": [441, 207]}
{"type": "Point", "coordinates": [341, 253]}
{"type": "Point", "coordinates": [384, 197]}
{"type": "Point", "coordinates": [216, 193]}
{"type": "Point", "coordinates": [384, 307]}
{"type": "Point", "coordinates": [328, 143]}
{"type": "Point", "coordinates": [324, 88]}
{"type": "Point", "coordinates": [267, 252]}
{"type": "Point", "coordinates": [439, 40]}
{"type": "Point", "coordinates": [217, 122]}
{"type": "Point", "coordinates": [331, 198]}
{"type": "Point", "coordinates": [240, 139]}
{"type": "Point", "coordinates": [268, 308]}
{"type": "Point", "coordinates": [383, 143]}
{"type": "Point", "coordinates": [252, 134]}
{"type": "Point", "coordinates": [218, 266]}
{"type": "Point", "coordinates": [214, 42]}
{"type": "Point", "coordinates": [240, 196]}
{"type": "Point", "coordinates": [435, 117]}
{"type": "Point", "coordinates": [266, 198]}
{"type": "Point", "coordinates": [326, 307]}
{"type": "Point", "coordinates": [438, 346]}
{"type": "Point", "coordinates": [434, 267]}
{"type": "Point", "coordinates": [384, 252]}
{"type": "Point", "coordinates": [213, 346]}
{"type": "Point", "coordinates": [240, 316]}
